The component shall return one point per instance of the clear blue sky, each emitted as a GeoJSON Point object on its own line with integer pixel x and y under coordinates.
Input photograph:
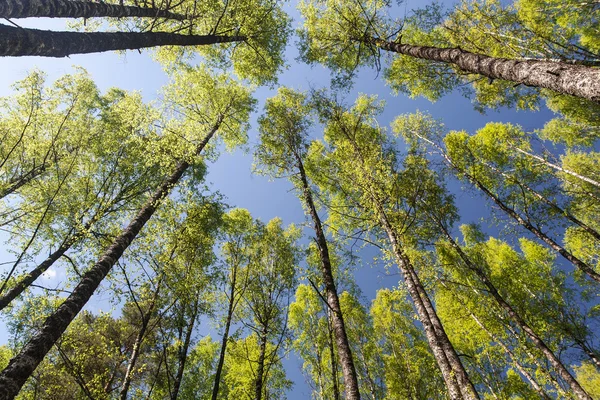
{"type": "Point", "coordinates": [231, 174]}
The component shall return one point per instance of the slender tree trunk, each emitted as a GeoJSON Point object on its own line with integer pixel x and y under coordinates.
{"type": "Point", "coordinates": [34, 42]}
{"type": "Point", "coordinates": [558, 167]}
{"type": "Point", "coordinates": [225, 338]}
{"type": "Point", "coordinates": [35, 273]}
{"type": "Point", "coordinates": [454, 390]}
{"type": "Point", "coordinates": [339, 329]}
{"type": "Point", "coordinates": [331, 344]}
{"type": "Point", "coordinates": [513, 214]}
{"type": "Point", "coordinates": [576, 80]}
{"type": "Point", "coordinates": [20, 368]}
{"type": "Point", "coordinates": [137, 345]}
{"type": "Point", "coordinates": [183, 353]}
{"type": "Point", "coordinates": [22, 180]}
{"type": "Point", "coordinates": [77, 9]}
{"type": "Point", "coordinates": [536, 386]}
{"type": "Point", "coordinates": [259, 381]}
{"type": "Point", "coordinates": [558, 366]}
{"type": "Point", "coordinates": [550, 203]}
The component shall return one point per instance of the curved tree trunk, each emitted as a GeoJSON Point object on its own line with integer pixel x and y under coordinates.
{"type": "Point", "coordinates": [34, 42]}
{"type": "Point", "coordinates": [331, 344]}
{"type": "Point", "coordinates": [20, 368]}
{"type": "Point", "coordinates": [575, 80]}
{"type": "Point", "coordinates": [339, 329]}
{"type": "Point", "coordinates": [77, 9]}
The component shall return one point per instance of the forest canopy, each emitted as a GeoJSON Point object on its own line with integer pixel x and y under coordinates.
{"type": "Point", "coordinates": [374, 250]}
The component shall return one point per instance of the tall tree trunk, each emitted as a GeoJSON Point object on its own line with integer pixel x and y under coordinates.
{"type": "Point", "coordinates": [331, 344]}
{"type": "Point", "coordinates": [259, 380]}
{"type": "Point", "coordinates": [516, 317]}
{"type": "Point", "coordinates": [558, 167]}
{"type": "Point", "coordinates": [550, 203]}
{"type": "Point", "coordinates": [137, 345]}
{"type": "Point", "coordinates": [576, 80]}
{"type": "Point", "coordinates": [34, 42]}
{"type": "Point", "coordinates": [339, 329]}
{"type": "Point", "coordinates": [77, 9]}
{"type": "Point", "coordinates": [513, 214]}
{"type": "Point", "coordinates": [456, 383]}
{"type": "Point", "coordinates": [453, 372]}
{"type": "Point", "coordinates": [183, 352]}
{"type": "Point", "coordinates": [225, 338]}
{"type": "Point", "coordinates": [20, 368]}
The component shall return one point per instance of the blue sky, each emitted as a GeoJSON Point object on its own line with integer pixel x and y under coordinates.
{"type": "Point", "coordinates": [232, 175]}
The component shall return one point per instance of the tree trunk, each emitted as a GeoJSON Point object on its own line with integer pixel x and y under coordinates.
{"type": "Point", "coordinates": [138, 341]}
{"type": "Point", "coordinates": [339, 329]}
{"type": "Point", "coordinates": [77, 9]}
{"type": "Point", "coordinates": [518, 365]}
{"type": "Point", "coordinates": [513, 214]}
{"type": "Point", "coordinates": [225, 338]}
{"type": "Point", "coordinates": [575, 80]}
{"type": "Point", "coordinates": [34, 42]}
{"type": "Point", "coordinates": [258, 382]}
{"type": "Point", "coordinates": [35, 273]}
{"type": "Point", "coordinates": [455, 388]}
{"type": "Point", "coordinates": [20, 368]}
{"type": "Point", "coordinates": [183, 352]}
{"type": "Point", "coordinates": [550, 203]}
{"type": "Point", "coordinates": [529, 332]}
{"type": "Point", "coordinates": [558, 167]}
{"type": "Point", "coordinates": [331, 344]}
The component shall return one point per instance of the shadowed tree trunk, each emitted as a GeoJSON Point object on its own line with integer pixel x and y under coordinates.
{"type": "Point", "coordinates": [576, 80]}
{"type": "Point", "coordinates": [259, 380]}
{"type": "Point", "coordinates": [333, 302]}
{"type": "Point", "coordinates": [20, 368]}
{"type": "Point", "coordinates": [34, 42]}
{"type": "Point", "coordinates": [77, 9]}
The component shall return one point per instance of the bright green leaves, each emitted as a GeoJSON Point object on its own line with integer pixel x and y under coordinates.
{"type": "Point", "coordinates": [262, 26]}
{"type": "Point", "coordinates": [336, 33]}
{"type": "Point", "coordinates": [198, 100]}
{"type": "Point", "coordinates": [283, 133]}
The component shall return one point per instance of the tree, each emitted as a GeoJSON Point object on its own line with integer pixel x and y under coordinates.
{"type": "Point", "coordinates": [344, 35]}
{"type": "Point", "coordinates": [230, 104]}
{"type": "Point", "coordinates": [358, 172]}
{"type": "Point", "coordinates": [283, 147]}
{"type": "Point", "coordinates": [265, 302]}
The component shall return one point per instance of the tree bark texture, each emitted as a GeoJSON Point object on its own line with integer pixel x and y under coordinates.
{"type": "Point", "coordinates": [225, 339]}
{"type": "Point", "coordinates": [20, 368]}
{"type": "Point", "coordinates": [78, 9]}
{"type": "Point", "coordinates": [259, 380]}
{"type": "Point", "coordinates": [455, 388]}
{"type": "Point", "coordinates": [339, 329]}
{"type": "Point", "coordinates": [575, 80]}
{"type": "Point", "coordinates": [17, 42]}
